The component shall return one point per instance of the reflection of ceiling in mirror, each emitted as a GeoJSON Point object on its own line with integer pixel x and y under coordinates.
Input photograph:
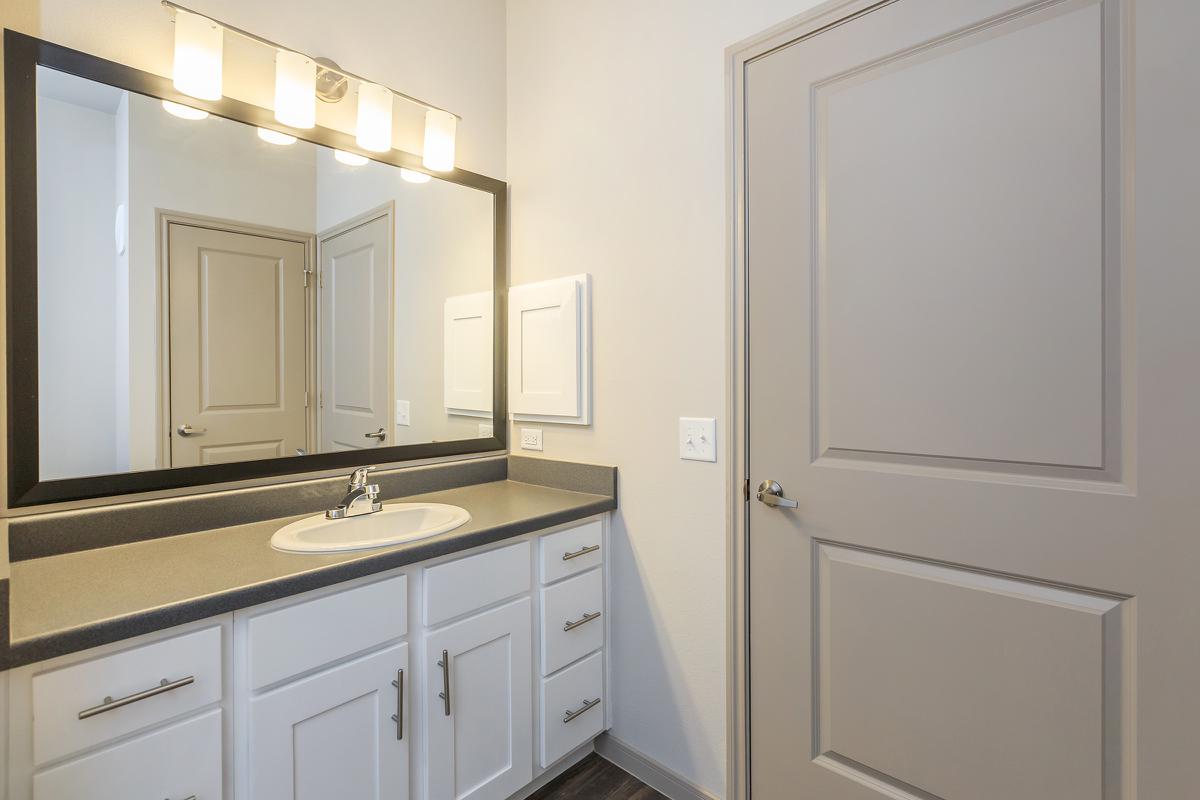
{"type": "Point", "coordinates": [78, 91]}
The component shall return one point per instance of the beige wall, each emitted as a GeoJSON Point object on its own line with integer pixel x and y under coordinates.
{"type": "Point", "coordinates": [616, 156]}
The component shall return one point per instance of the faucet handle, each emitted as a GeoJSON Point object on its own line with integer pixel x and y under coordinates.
{"type": "Point", "coordinates": [358, 480]}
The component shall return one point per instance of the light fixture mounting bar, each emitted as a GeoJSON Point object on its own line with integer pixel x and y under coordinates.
{"type": "Point", "coordinates": [173, 6]}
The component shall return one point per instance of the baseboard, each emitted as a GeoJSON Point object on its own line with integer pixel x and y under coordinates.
{"type": "Point", "coordinates": [649, 771]}
{"type": "Point", "coordinates": [556, 769]}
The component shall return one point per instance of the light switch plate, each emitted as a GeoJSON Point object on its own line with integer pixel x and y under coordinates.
{"type": "Point", "coordinates": [402, 412]}
{"type": "Point", "coordinates": [531, 438]}
{"type": "Point", "coordinates": [486, 431]}
{"type": "Point", "coordinates": [698, 438]}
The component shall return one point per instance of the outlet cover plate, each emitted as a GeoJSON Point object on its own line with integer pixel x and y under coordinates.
{"type": "Point", "coordinates": [698, 438]}
{"type": "Point", "coordinates": [531, 438]}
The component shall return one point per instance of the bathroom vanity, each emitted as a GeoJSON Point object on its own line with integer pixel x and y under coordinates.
{"type": "Point", "coordinates": [469, 674]}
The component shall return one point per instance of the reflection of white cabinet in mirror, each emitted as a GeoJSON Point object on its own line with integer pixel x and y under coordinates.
{"type": "Point", "coordinates": [468, 354]}
{"type": "Point", "coordinates": [549, 351]}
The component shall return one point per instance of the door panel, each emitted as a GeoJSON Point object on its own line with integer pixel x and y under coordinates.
{"type": "Point", "coordinates": [332, 734]}
{"type": "Point", "coordinates": [482, 749]}
{"type": "Point", "coordinates": [355, 344]}
{"type": "Point", "coordinates": [980, 594]}
{"type": "Point", "coordinates": [237, 346]}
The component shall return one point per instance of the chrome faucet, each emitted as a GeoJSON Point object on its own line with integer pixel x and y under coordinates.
{"type": "Point", "coordinates": [361, 497]}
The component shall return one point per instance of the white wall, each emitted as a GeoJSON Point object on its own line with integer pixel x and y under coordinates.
{"type": "Point", "coordinates": [76, 271]}
{"type": "Point", "coordinates": [443, 248]}
{"type": "Point", "coordinates": [616, 161]}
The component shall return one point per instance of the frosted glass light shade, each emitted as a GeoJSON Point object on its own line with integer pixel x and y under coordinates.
{"type": "Point", "coordinates": [374, 117]}
{"type": "Point", "coordinates": [295, 90]}
{"type": "Point", "coordinates": [198, 50]}
{"type": "Point", "coordinates": [350, 159]}
{"type": "Point", "coordinates": [439, 140]}
{"type": "Point", "coordinates": [412, 176]}
{"type": "Point", "coordinates": [182, 111]}
{"type": "Point", "coordinates": [275, 137]}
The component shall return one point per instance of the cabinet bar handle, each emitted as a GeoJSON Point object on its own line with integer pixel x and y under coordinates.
{"type": "Point", "coordinates": [583, 551]}
{"type": "Point", "coordinates": [109, 704]}
{"type": "Point", "coordinates": [445, 692]}
{"type": "Point", "coordinates": [570, 626]}
{"type": "Point", "coordinates": [587, 706]}
{"type": "Point", "coordinates": [398, 717]}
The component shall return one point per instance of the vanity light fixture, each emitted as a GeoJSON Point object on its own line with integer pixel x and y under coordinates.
{"type": "Point", "coordinates": [275, 137]}
{"type": "Point", "coordinates": [413, 176]}
{"type": "Point", "coordinates": [299, 79]}
{"type": "Point", "coordinates": [182, 111]}
{"type": "Point", "coordinates": [199, 45]}
{"type": "Point", "coordinates": [439, 140]}
{"type": "Point", "coordinates": [295, 89]}
{"type": "Point", "coordinates": [352, 159]}
{"type": "Point", "coordinates": [374, 117]}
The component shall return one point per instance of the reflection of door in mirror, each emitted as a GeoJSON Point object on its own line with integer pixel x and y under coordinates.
{"type": "Point", "coordinates": [237, 346]}
{"type": "Point", "coordinates": [355, 339]}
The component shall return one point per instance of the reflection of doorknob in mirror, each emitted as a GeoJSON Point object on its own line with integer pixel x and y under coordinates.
{"type": "Point", "coordinates": [188, 430]}
{"type": "Point", "coordinates": [380, 434]}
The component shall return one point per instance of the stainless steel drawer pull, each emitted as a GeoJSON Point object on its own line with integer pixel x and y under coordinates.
{"type": "Point", "coordinates": [109, 704]}
{"type": "Point", "coordinates": [398, 717]}
{"type": "Point", "coordinates": [587, 706]}
{"type": "Point", "coordinates": [583, 551]}
{"type": "Point", "coordinates": [445, 692]}
{"type": "Point", "coordinates": [570, 626]}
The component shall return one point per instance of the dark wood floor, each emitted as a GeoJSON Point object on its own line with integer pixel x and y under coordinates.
{"type": "Point", "coordinates": [593, 778]}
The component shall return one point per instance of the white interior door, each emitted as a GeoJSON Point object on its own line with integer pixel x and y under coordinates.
{"type": "Point", "coordinates": [355, 343]}
{"type": "Point", "coordinates": [238, 355]}
{"type": "Point", "coordinates": [987, 590]}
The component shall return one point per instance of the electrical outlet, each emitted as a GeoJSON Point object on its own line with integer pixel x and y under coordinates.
{"type": "Point", "coordinates": [402, 417]}
{"type": "Point", "coordinates": [486, 431]}
{"type": "Point", "coordinates": [531, 438]}
{"type": "Point", "coordinates": [698, 438]}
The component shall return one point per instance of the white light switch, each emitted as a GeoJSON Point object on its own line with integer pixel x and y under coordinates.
{"type": "Point", "coordinates": [531, 438]}
{"type": "Point", "coordinates": [698, 438]}
{"type": "Point", "coordinates": [486, 431]}
{"type": "Point", "coordinates": [402, 412]}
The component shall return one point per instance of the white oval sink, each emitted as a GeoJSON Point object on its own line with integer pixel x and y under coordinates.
{"type": "Point", "coordinates": [396, 523]}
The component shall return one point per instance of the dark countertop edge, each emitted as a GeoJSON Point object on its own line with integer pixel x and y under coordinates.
{"type": "Point", "coordinates": [41, 648]}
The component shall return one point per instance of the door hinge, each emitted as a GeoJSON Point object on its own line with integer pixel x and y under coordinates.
{"type": "Point", "coordinates": [321, 279]}
{"type": "Point", "coordinates": [746, 490]}
{"type": "Point", "coordinates": [306, 274]}
{"type": "Point", "coordinates": [321, 400]}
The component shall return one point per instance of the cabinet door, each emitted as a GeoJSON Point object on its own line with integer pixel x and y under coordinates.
{"type": "Point", "coordinates": [481, 739]}
{"type": "Point", "coordinates": [332, 735]}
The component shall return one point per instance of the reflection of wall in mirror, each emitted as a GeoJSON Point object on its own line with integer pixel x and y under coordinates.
{"type": "Point", "coordinates": [443, 248]}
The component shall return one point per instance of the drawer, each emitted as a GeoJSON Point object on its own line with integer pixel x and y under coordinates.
{"type": "Point", "coordinates": [572, 551]}
{"type": "Point", "coordinates": [178, 762]}
{"type": "Point", "coordinates": [572, 620]}
{"type": "Point", "coordinates": [572, 708]}
{"type": "Point", "coordinates": [344, 623]}
{"type": "Point", "coordinates": [470, 583]}
{"type": "Point", "coordinates": [136, 675]}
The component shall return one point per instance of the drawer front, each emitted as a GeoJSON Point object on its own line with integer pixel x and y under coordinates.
{"type": "Point", "coordinates": [281, 642]}
{"type": "Point", "coordinates": [572, 708]}
{"type": "Point", "coordinates": [572, 551]}
{"type": "Point", "coordinates": [174, 763]}
{"type": "Point", "coordinates": [457, 587]}
{"type": "Point", "coordinates": [570, 626]}
{"type": "Point", "coordinates": [136, 676]}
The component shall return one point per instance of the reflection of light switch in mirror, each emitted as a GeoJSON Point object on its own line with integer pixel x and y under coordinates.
{"type": "Point", "coordinates": [486, 431]}
{"type": "Point", "coordinates": [402, 412]}
{"type": "Point", "coordinates": [698, 439]}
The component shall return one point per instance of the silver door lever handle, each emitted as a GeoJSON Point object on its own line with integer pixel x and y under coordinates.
{"type": "Point", "coordinates": [380, 434]}
{"type": "Point", "coordinates": [771, 493]}
{"type": "Point", "coordinates": [188, 430]}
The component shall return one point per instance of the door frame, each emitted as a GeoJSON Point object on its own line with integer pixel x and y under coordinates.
{"type": "Point", "coordinates": [737, 57]}
{"type": "Point", "coordinates": [388, 210]}
{"type": "Point", "coordinates": [163, 219]}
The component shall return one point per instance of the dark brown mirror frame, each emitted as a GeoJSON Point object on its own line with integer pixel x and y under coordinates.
{"type": "Point", "coordinates": [22, 55]}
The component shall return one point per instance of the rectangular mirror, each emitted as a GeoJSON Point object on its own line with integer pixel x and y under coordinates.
{"type": "Point", "coordinates": [216, 300]}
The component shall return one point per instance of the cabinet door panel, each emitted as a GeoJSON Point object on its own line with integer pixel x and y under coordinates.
{"type": "Point", "coordinates": [482, 750]}
{"type": "Point", "coordinates": [332, 734]}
